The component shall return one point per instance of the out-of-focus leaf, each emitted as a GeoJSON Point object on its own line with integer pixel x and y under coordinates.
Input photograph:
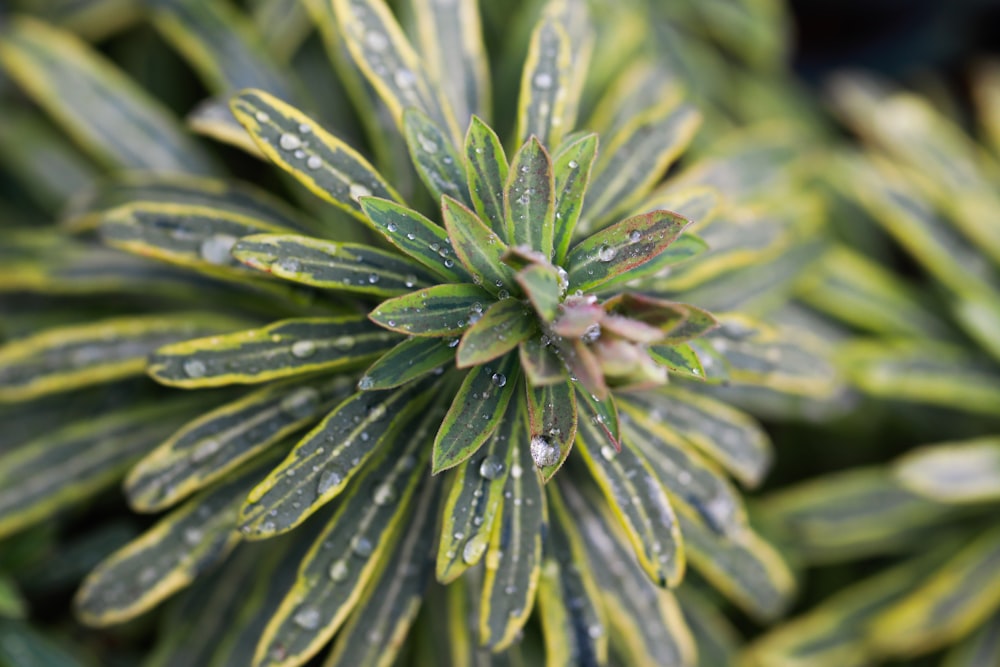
{"type": "Point", "coordinates": [475, 412]}
{"type": "Point", "coordinates": [283, 26]}
{"type": "Point", "coordinates": [546, 85]}
{"type": "Point", "coordinates": [12, 603]}
{"type": "Point", "coordinates": [279, 350]}
{"type": "Point", "coordinates": [407, 361]}
{"type": "Point", "coordinates": [478, 248]}
{"type": "Point", "coordinates": [715, 638]}
{"type": "Point", "coordinates": [64, 358]}
{"type": "Point", "coordinates": [958, 472]}
{"type": "Point", "coordinates": [513, 561]}
{"type": "Point", "coordinates": [120, 125]}
{"type": "Point", "coordinates": [980, 648]}
{"type": "Point", "coordinates": [442, 310]}
{"type": "Point", "coordinates": [209, 447]}
{"type": "Point", "coordinates": [436, 158]}
{"type": "Point", "coordinates": [23, 646]}
{"type": "Point", "coordinates": [322, 463]}
{"type": "Point", "coordinates": [498, 331]}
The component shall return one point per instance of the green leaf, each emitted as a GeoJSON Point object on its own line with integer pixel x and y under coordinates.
{"type": "Point", "coordinates": [529, 199]}
{"type": "Point", "coordinates": [643, 620]}
{"type": "Point", "coordinates": [347, 553]}
{"type": "Point", "coordinates": [955, 472]}
{"type": "Point", "coordinates": [729, 437]}
{"type": "Point", "coordinates": [680, 360]}
{"type": "Point", "coordinates": [716, 640]}
{"type": "Point", "coordinates": [407, 361]}
{"type": "Point", "coordinates": [348, 267]}
{"type": "Point", "coordinates": [698, 203]}
{"type": "Point", "coordinates": [104, 111]}
{"type": "Point", "coordinates": [12, 603]}
{"type": "Point", "coordinates": [923, 371]}
{"type": "Point", "coordinates": [322, 463]}
{"type": "Point", "coordinates": [474, 497]}
{"type": "Point", "coordinates": [635, 157]}
{"type": "Point", "coordinates": [574, 623]}
{"type": "Point", "coordinates": [603, 413]}
{"type": "Point", "coordinates": [621, 248]}
{"type": "Point", "coordinates": [688, 478]}
{"type": "Point", "coordinates": [475, 412]}
{"type": "Point", "coordinates": [324, 164]}
{"type": "Point", "coordinates": [64, 358]}
{"type": "Point", "coordinates": [980, 648]}
{"type": "Point", "coordinates": [435, 157]}
{"type": "Point", "coordinates": [513, 561]}
{"type": "Point", "coordinates": [479, 249]}
{"type": "Point", "coordinates": [552, 419]}
{"type": "Point", "coordinates": [283, 349]}
{"type": "Point", "coordinates": [540, 363]}
{"type": "Point", "coordinates": [415, 236]}
{"type": "Point", "coordinates": [498, 331]}
{"type": "Point", "coordinates": [451, 42]}
{"type": "Point", "coordinates": [442, 310]}
{"type": "Point", "coordinates": [214, 119]}
{"type": "Point", "coordinates": [486, 170]}
{"type": "Point", "coordinates": [649, 522]}
{"type": "Point", "coordinates": [393, 598]}
{"type": "Point", "coordinates": [208, 448]}
{"type": "Point", "coordinates": [573, 163]}
{"type": "Point", "coordinates": [546, 81]}
{"type": "Point", "coordinates": [382, 52]}
{"type": "Point", "coordinates": [167, 557]}
{"type": "Point", "coordinates": [23, 646]}
{"type": "Point", "coordinates": [71, 463]}
{"type": "Point", "coordinates": [947, 605]}
{"type": "Point", "coordinates": [542, 286]}
{"type": "Point", "coordinates": [684, 247]}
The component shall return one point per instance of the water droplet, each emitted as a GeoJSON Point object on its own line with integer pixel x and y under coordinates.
{"type": "Point", "coordinates": [195, 368]}
{"type": "Point", "coordinates": [594, 631]}
{"type": "Point", "coordinates": [301, 403]}
{"type": "Point", "coordinates": [544, 452]}
{"type": "Point", "coordinates": [314, 162]}
{"type": "Point", "coordinates": [373, 278]}
{"type": "Point", "coordinates": [573, 164]}
{"type": "Point", "coordinates": [503, 294]}
{"type": "Point", "coordinates": [608, 452]}
{"type": "Point", "coordinates": [193, 535]}
{"type": "Point", "coordinates": [338, 570]}
{"type": "Point", "coordinates": [365, 383]}
{"type": "Point", "coordinates": [428, 145]}
{"type": "Point", "coordinates": [344, 343]}
{"type": "Point", "coordinates": [299, 154]}
{"type": "Point", "coordinates": [361, 546]}
{"type": "Point", "coordinates": [205, 449]}
{"type": "Point", "coordinates": [516, 471]}
{"type": "Point", "coordinates": [635, 236]}
{"type": "Point", "coordinates": [448, 263]}
{"type": "Point", "coordinates": [391, 227]}
{"type": "Point", "coordinates": [491, 468]}
{"type": "Point", "coordinates": [543, 80]}
{"type": "Point", "coordinates": [357, 190]}
{"type": "Point", "coordinates": [376, 41]}
{"type": "Point", "coordinates": [606, 253]}
{"type": "Point", "coordinates": [289, 141]}
{"type": "Point", "coordinates": [499, 379]}
{"type": "Point", "coordinates": [404, 78]}
{"type": "Point", "coordinates": [474, 549]}
{"type": "Point", "coordinates": [262, 117]}
{"type": "Point", "coordinates": [327, 481]}
{"type": "Point", "coordinates": [307, 617]}
{"type": "Point", "coordinates": [383, 494]}
{"type": "Point", "coordinates": [303, 349]}
{"type": "Point", "coordinates": [410, 280]}
{"type": "Point", "coordinates": [215, 249]}
{"type": "Point", "coordinates": [591, 334]}
{"type": "Point", "coordinates": [289, 265]}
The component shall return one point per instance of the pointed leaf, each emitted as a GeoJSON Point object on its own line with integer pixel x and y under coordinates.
{"type": "Point", "coordinates": [958, 472]}
{"type": "Point", "coordinates": [684, 247]}
{"type": "Point", "coordinates": [282, 349]}
{"type": "Point", "coordinates": [208, 448]}
{"type": "Point", "coordinates": [348, 267]}
{"type": "Point", "coordinates": [529, 199]}
{"type": "Point", "coordinates": [622, 247]}
{"type": "Point", "coordinates": [320, 466]}
{"type": "Point", "coordinates": [475, 412]}
{"type": "Point", "coordinates": [551, 425]}
{"type": "Point", "coordinates": [583, 366]}
{"type": "Point", "coordinates": [355, 541]}
{"type": "Point", "coordinates": [321, 162]}
{"type": "Point", "coordinates": [650, 521]}
{"type": "Point", "coordinates": [479, 249]}
{"type": "Point", "coordinates": [407, 361]}
{"type": "Point", "coordinates": [545, 85]}
{"type": "Point", "coordinates": [70, 357]}
{"type": "Point", "coordinates": [442, 310]}
{"type": "Point", "coordinates": [679, 359]}
{"type": "Point", "coordinates": [498, 331]}
{"type": "Point", "coordinates": [513, 562]}
{"type": "Point", "coordinates": [603, 413]}
{"type": "Point", "coordinates": [435, 157]}
{"type": "Point", "coordinates": [572, 166]}
{"type": "Point", "coordinates": [542, 286]}
{"type": "Point", "coordinates": [486, 169]}
{"type": "Point", "coordinates": [474, 497]}
{"type": "Point", "coordinates": [540, 363]}
{"type": "Point", "coordinates": [416, 236]}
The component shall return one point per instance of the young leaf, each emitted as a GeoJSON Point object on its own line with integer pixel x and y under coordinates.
{"type": "Point", "coordinates": [435, 157]}
{"type": "Point", "coordinates": [622, 247]}
{"type": "Point", "coordinates": [321, 162]}
{"type": "Point", "coordinates": [498, 331]}
{"type": "Point", "coordinates": [479, 249]}
{"type": "Point", "coordinates": [348, 267]}
{"type": "Point", "coordinates": [319, 468]}
{"type": "Point", "coordinates": [540, 362]}
{"type": "Point", "coordinates": [486, 170]}
{"type": "Point", "coordinates": [572, 166]}
{"type": "Point", "coordinates": [552, 418]}
{"type": "Point", "coordinates": [529, 199]}
{"type": "Point", "coordinates": [604, 414]}
{"type": "Point", "coordinates": [650, 522]}
{"type": "Point", "coordinates": [407, 361]}
{"type": "Point", "coordinates": [475, 412]}
{"type": "Point", "coordinates": [680, 360]}
{"type": "Point", "coordinates": [208, 448]}
{"type": "Point", "coordinates": [282, 349]}
{"type": "Point", "coordinates": [514, 556]}
{"type": "Point", "coordinates": [442, 310]}
{"type": "Point", "coordinates": [416, 236]}
{"type": "Point", "coordinates": [542, 285]}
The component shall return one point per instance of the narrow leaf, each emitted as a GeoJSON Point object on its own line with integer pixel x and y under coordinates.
{"type": "Point", "coordinates": [603, 413]}
{"type": "Point", "coordinates": [407, 361]}
{"type": "Point", "coordinates": [552, 419]}
{"type": "Point", "coordinates": [435, 157]}
{"type": "Point", "coordinates": [442, 310]}
{"type": "Point", "coordinates": [529, 199]}
{"type": "Point", "coordinates": [572, 168]}
{"type": "Point", "coordinates": [543, 286]}
{"type": "Point", "coordinates": [540, 363]}
{"type": "Point", "coordinates": [486, 169]}
{"type": "Point", "coordinates": [479, 249]}
{"type": "Point", "coordinates": [680, 360]}
{"type": "Point", "coordinates": [958, 472]}
{"type": "Point", "coordinates": [545, 85]}
{"type": "Point", "coordinates": [498, 331]}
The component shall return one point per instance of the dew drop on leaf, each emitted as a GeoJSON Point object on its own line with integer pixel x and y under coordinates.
{"type": "Point", "coordinates": [303, 349]}
{"type": "Point", "coordinates": [338, 570]}
{"type": "Point", "coordinates": [608, 452]}
{"type": "Point", "coordinates": [606, 253]}
{"type": "Point", "coordinates": [376, 41]}
{"type": "Point", "coordinates": [314, 162]}
{"type": "Point", "coordinates": [361, 546]}
{"type": "Point", "coordinates": [573, 164]}
{"type": "Point", "coordinates": [543, 452]}
{"type": "Point", "coordinates": [205, 449]}
{"type": "Point", "coordinates": [262, 117]}
{"type": "Point", "coordinates": [499, 379]}
{"type": "Point", "coordinates": [327, 481]}
{"type": "Point", "coordinates": [215, 249]}
{"type": "Point", "coordinates": [491, 468]}
{"type": "Point", "coordinates": [474, 549]}
{"type": "Point", "coordinates": [543, 80]}
{"type": "Point", "coordinates": [195, 368]}
{"type": "Point", "coordinates": [289, 141]}
{"type": "Point", "coordinates": [307, 617]}
{"type": "Point", "coordinates": [383, 494]}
